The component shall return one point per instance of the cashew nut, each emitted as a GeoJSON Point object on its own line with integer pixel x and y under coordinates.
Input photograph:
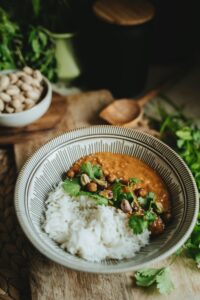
{"type": "Point", "coordinates": [4, 82]}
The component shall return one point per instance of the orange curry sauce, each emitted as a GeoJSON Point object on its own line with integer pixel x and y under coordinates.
{"type": "Point", "coordinates": [125, 167]}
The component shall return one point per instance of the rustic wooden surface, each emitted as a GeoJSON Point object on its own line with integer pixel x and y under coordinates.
{"type": "Point", "coordinates": [49, 121]}
{"type": "Point", "coordinates": [51, 281]}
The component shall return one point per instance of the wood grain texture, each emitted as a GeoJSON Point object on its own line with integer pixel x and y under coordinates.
{"type": "Point", "coordinates": [125, 13]}
{"type": "Point", "coordinates": [48, 122]}
{"type": "Point", "coordinates": [51, 281]}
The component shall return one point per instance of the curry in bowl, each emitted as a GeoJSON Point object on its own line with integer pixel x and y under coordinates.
{"type": "Point", "coordinates": [107, 207]}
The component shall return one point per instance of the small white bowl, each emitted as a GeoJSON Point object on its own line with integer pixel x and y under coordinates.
{"type": "Point", "coordinates": [29, 116]}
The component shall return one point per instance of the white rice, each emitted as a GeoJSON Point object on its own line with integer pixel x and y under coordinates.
{"type": "Point", "coordinates": [92, 232]}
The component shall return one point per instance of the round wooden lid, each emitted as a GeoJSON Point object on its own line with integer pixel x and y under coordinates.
{"type": "Point", "coordinates": [124, 12]}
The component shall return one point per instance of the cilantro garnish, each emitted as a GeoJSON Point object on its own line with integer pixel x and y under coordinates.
{"type": "Point", "coordinates": [93, 171]}
{"type": "Point", "coordinates": [134, 180]}
{"type": "Point", "coordinates": [141, 222]}
{"type": "Point", "coordinates": [183, 135]}
{"type": "Point", "coordinates": [71, 186]}
{"type": "Point", "coordinates": [99, 199]}
{"type": "Point", "coordinates": [150, 216]}
{"type": "Point", "coordinates": [159, 277]}
{"type": "Point", "coordinates": [138, 224]}
{"type": "Point", "coordinates": [117, 190]}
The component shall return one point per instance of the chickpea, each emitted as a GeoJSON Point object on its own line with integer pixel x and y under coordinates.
{"type": "Point", "coordinates": [70, 173]}
{"type": "Point", "coordinates": [140, 192]}
{"type": "Point", "coordinates": [91, 187]}
{"type": "Point", "coordinates": [76, 168]}
{"type": "Point", "coordinates": [111, 178]}
{"type": "Point", "coordinates": [157, 227]}
{"type": "Point", "coordinates": [106, 172]}
{"type": "Point", "coordinates": [124, 181]}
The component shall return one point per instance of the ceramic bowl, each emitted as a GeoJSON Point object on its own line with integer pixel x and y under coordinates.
{"type": "Point", "coordinates": [46, 167]}
{"type": "Point", "coordinates": [29, 116]}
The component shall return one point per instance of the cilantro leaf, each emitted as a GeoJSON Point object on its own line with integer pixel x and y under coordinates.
{"type": "Point", "coordinates": [97, 171]}
{"type": "Point", "coordinates": [93, 171]}
{"type": "Point", "coordinates": [138, 224]}
{"type": "Point", "coordinates": [99, 199]}
{"type": "Point", "coordinates": [150, 216]}
{"type": "Point", "coordinates": [160, 277]}
{"type": "Point", "coordinates": [71, 187]}
{"type": "Point", "coordinates": [164, 283]}
{"type": "Point", "coordinates": [146, 277]}
{"type": "Point", "coordinates": [87, 168]}
{"type": "Point", "coordinates": [143, 201]}
{"type": "Point", "coordinates": [117, 190]}
{"type": "Point", "coordinates": [134, 180]}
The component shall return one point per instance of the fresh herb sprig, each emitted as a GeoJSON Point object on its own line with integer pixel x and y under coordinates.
{"type": "Point", "coordinates": [26, 45]}
{"type": "Point", "coordinates": [39, 52]}
{"type": "Point", "coordinates": [10, 43]}
{"type": "Point", "coordinates": [159, 277]}
{"type": "Point", "coordinates": [184, 136]}
{"type": "Point", "coordinates": [73, 188]}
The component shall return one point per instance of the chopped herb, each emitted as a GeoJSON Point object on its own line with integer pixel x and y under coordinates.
{"type": "Point", "coordinates": [72, 186]}
{"type": "Point", "coordinates": [117, 190]}
{"type": "Point", "coordinates": [134, 180]}
{"type": "Point", "coordinates": [160, 277]}
{"type": "Point", "coordinates": [150, 216]}
{"type": "Point", "coordinates": [183, 135]}
{"type": "Point", "coordinates": [99, 199]}
{"type": "Point", "coordinates": [138, 224]}
{"type": "Point", "coordinates": [142, 201]}
{"type": "Point", "coordinates": [93, 171]}
{"type": "Point", "coordinates": [87, 168]}
{"type": "Point", "coordinates": [97, 171]}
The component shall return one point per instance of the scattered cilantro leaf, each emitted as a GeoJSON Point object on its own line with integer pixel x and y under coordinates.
{"type": "Point", "coordinates": [97, 171]}
{"type": "Point", "coordinates": [138, 224]}
{"type": "Point", "coordinates": [164, 283]}
{"type": "Point", "coordinates": [142, 201]}
{"type": "Point", "coordinates": [150, 216]}
{"type": "Point", "coordinates": [71, 187]}
{"type": "Point", "coordinates": [93, 171]}
{"type": "Point", "coordinates": [99, 199]}
{"type": "Point", "coordinates": [159, 277]}
{"type": "Point", "coordinates": [146, 277]}
{"type": "Point", "coordinates": [134, 180]}
{"type": "Point", "coordinates": [117, 190]}
{"type": "Point", "coordinates": [87, 168]}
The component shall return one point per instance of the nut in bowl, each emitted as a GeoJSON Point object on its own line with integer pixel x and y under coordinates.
{"type": "Point", "coordinates": [25, 96]}
{"type": "Point", "coordinates": [95, 220]}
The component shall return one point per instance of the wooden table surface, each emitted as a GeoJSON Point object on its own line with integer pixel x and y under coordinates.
{"type": "Point", "coordinates": [52, 281]}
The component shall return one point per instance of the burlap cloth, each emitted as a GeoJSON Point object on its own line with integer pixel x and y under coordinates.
{"type": "Point", "coordinates": [14, 247]}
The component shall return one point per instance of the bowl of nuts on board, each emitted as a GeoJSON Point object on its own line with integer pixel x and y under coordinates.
{"type": "Point", "coordinates": [25, 96]}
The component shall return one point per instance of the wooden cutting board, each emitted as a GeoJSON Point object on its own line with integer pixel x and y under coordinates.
{"type": "Point", "coordinates": [49, 121]}
{"type": "Point", "coordinates": [51, 281]}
